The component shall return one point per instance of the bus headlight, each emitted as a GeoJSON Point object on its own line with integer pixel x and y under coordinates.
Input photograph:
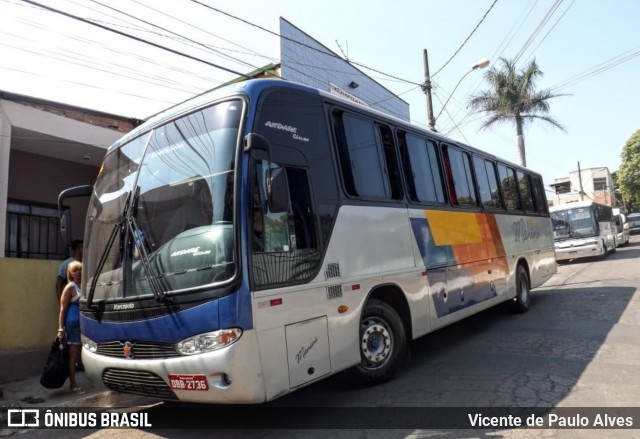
{"type": "Point", "coordinates": [209, 341]}
{"type": "Point", "coordinates": [89, 344]}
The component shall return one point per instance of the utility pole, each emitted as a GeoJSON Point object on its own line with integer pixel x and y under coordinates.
{"type": "Point", "coordinates": [426, 88]}
{"type": "Point", "coordinates": [580, 180]}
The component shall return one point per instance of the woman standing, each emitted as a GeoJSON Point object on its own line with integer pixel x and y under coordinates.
{"type": "Point", "coordinates": [69, 320]}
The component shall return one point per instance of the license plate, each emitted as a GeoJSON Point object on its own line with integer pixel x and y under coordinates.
{"type": "Point", "coordinates": [188, 382]}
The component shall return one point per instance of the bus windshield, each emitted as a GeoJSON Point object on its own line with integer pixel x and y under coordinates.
{"type": "Point", "coordinates": [573, 223]}
{"type": "Point", "coordinates": [161, 218]}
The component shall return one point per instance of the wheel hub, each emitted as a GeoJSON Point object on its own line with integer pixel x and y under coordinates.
{"type": "Point", "coordinates": [376, 343]}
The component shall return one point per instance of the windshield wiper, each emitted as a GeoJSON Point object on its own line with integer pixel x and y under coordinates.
{"type": "Point", "coordinates": [105, 254]}
{"type": "Point", "coordinates": [128, 223]}
{"type": "Point", "coordinates": [138, 240]}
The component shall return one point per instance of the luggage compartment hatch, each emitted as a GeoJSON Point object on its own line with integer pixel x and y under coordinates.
{"type": "Point", "coordinates": [307, 350]}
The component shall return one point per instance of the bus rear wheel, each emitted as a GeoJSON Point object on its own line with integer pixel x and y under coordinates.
{"type": "Point", "coordinates": [382, 343]}
{"type": "Point", "coordinates": [521, 302]}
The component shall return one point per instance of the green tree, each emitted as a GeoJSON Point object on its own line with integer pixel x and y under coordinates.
{"type": "Point", "coordinates": [629, 173]}
{"type": "Point", "coordinates": [512, 97]}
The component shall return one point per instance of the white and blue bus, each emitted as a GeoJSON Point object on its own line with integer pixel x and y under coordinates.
{"type": "Point", "coordinates": [266, 235]}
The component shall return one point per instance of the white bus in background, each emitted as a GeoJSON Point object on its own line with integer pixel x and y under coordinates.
{"type": "Point", "coordinates": [583, 229]}
{"type": "Point", "coordinates": [622, 227]}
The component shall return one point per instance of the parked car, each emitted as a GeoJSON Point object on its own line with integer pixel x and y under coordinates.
{"type": "Point", "coordinates": [634, 222]}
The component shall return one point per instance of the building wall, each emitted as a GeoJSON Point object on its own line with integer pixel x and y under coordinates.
{"type": "Point", "coordinates": [584, 179]}
{"type": "Point", "coordinates": [49, 175]}
{"type": "Point", "coordinates": [301, 63]}
{"type": "Point", "coordinates": [28, 303]}
{"type": "Point", "coordinates": [90, 117]}
{"type": "Point", "coordinates": [28, 316]}
{"type": "Point", "coordinates": [44, 149]}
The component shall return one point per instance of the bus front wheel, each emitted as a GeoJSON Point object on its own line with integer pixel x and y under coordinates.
{"type": "Point", "coordinates": [382, 342]}
{"type": "Point", "coordinates": [604, 251]}
{"type": "Point", "coordinates": [521, 302]}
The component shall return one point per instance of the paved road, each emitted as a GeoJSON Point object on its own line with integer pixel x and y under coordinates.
{"type": "Point", "coordinates": [576, 347]}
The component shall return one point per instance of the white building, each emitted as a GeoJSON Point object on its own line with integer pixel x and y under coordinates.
{"type": "Point", "coordinates": [585, 184]}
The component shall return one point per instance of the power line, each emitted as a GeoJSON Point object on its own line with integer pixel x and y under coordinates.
{"type": "Point", "coordinates": [101, 61]}
{"type": "Point", "coordinates": [155, 99]}
{"type": "Point", "coordinates": [200, 29]}
{"type": "Point", "coordinates": [195, 58]}
{"type": "Point", "coordinates": [602, 67]}
{"type": "Point", "coordinates": [515, 27]}
{"type": "Point", "coordinates": [552, 27]}
{"type": "Point", "coordinates": [333, 55]}
{"type": "Point", "coordinates": [465, 41]}
{"type": "Point", "coordinates": [142, 40]}
{"type": "Point", "coordinates": [552, 10]}
{"type": "Point", "coordinates": [175, 33]}
{"type": "Point", "coordinates": [88, 64]}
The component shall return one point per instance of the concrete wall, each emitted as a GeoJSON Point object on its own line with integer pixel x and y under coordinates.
{"type": "Point", "coordinates": [28, 315]}
{"type": "Point", "coordinates": [28, 303]}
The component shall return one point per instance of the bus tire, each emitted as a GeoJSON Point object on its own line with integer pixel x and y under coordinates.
{"type": "Point", "coordinates": [520, 303]}
{"type": "Point", "coordinates": [604, 251]}
{"type": "Point", "coordinates": [382, 343]}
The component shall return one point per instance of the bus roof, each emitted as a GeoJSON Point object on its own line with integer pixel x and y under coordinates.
{"type": "Point", "coordinates": [574, 205]}
{"type": "Point", "coordinates": [253, 87]}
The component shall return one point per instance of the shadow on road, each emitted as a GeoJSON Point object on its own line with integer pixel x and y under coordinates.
{"type": "Point", "coordinates": [492, 359]}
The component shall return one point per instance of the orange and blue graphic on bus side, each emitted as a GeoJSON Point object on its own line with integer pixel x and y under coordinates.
{"type": "Point", "coordinates": [456, 248]}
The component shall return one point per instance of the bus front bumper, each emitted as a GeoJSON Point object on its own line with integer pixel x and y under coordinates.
{"type": "Point", "coordinates": [584, 249]}
{"type": "Point", "coordinates": [231, 375]}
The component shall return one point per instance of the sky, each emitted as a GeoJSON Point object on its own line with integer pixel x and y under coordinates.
{"type": "Point", "coordinates": [589, 52]}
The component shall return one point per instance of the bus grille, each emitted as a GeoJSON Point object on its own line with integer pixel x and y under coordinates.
{"type": "Point", "coordinates": [137, 383]}
{"type": "Point", "coordinates": [140, 350]}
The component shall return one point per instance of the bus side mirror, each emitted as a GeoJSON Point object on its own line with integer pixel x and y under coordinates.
{"type": "Point", "coordinates": [65, 227]}
{"type": "Point", "coordinates": [278, 190]}
{"type": "Point", "coordinates": [253, 141]}
{"type": "Point", "coordinates": [65, 212]}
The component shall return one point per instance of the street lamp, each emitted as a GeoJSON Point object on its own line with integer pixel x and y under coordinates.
{"type": "Point", "coordinates": [483, 63]}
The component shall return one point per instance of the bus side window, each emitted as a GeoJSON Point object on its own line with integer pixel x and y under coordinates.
{"type": "Point", "coordinates": [453, 196]}
{"type": "Point", "coordinates": [458, 170]}
{"type": "Point", "coordinates": [538, 195]}
{"type": "Point", "coordinates": [343, 155]}
{"type": "Point", "coordinates": [525, 192]}
{"type": "Point", "coordinates": [301, 212]}
{"type": "Point", "coordinates": [487, 183]}
{"type": "Point", "coordinates": [509, 188]}
{"type": "Point", "coordinates": [362, 159]}
{"type": "Point", "coordinates": [391, 159]}
{"type": "Point", "coordinates": [493, 184]}
{"type": "Point", "coordinates": [421, 168]}
{"type": "Point", "coordinates": [284, 244]}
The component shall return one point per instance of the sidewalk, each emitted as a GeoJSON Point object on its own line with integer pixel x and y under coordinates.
{"type": "Point", "coordinates": [29, 393]}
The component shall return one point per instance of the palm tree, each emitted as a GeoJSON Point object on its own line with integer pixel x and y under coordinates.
{"type": "Point", "coordinates": [512, 97]}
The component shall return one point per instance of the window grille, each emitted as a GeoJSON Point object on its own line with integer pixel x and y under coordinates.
{"type": "Point", "coordinates": [600, 184]}
{"type": "Point", "coordinates": [33, 232]}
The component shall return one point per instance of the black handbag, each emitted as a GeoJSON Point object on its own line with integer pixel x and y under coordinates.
{"type": "Point", "coordinates": [56, 370]}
